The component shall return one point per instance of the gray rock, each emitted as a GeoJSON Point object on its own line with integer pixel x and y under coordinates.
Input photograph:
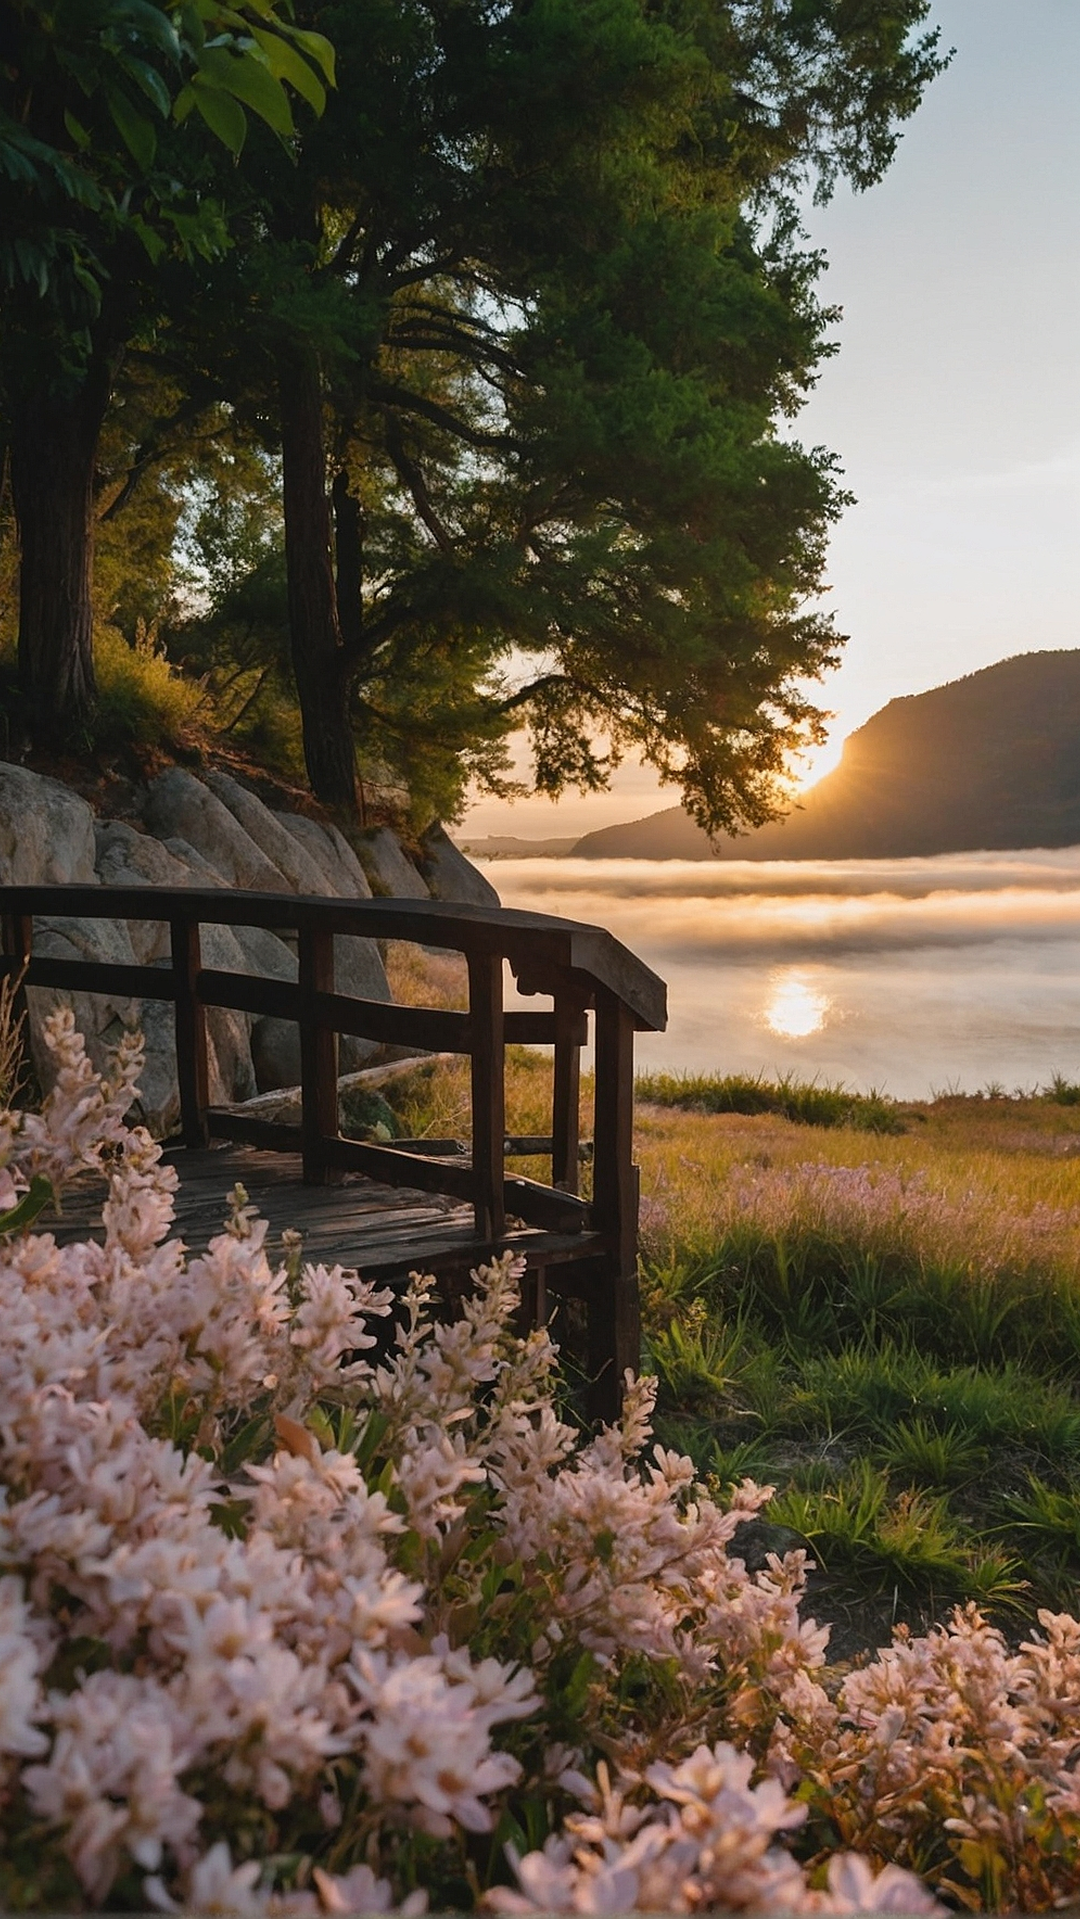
{"type": "Point", "coordinates": [103, 1018]}
{"type": "Point", "coordinates": [275, 1044]}
{"type": "Point", "coordinates": [46, 831]}
{"type": "Point", "coordinates": [332, 852]}
{"type": "Point", "coordinates": [228, 1031]}
{"type": "Point", "coordinates": [201, 872]}
{"type": "Point", "coordinates": [275, 1053]}
{"type": "Point", "coordinates": [358, 964]}
{"type": "Point", "coordinates": [282, 848]}
{"type": "Point", "coordinates": [449, 875]}
{"type": "Point", "coordinates": [358, 970]}
{"type": "Point", "coordinates": [389, 869]}
{"type": "Point", "coordinates": [178, 805]}
{"type": "Point", "coordinates": [127, 858]}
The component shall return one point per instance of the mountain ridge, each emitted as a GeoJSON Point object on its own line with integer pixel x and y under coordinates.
{"type": "Point", "coordinates": [991, 760]}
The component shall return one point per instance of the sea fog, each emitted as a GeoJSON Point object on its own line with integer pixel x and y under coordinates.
{"type": "Point", "coordinates": [911, 976]}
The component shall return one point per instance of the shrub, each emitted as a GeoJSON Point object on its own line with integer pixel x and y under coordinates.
{"type": "Point", "coordinates": [297, 1617]}
{"type": "Point", "coordinates": [312, 1604]}
{"type": "Point", "coordinates": [143, 700]}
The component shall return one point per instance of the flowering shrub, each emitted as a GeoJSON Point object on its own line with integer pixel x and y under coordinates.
{"type": "Point", "coordinates": [311, 1607]}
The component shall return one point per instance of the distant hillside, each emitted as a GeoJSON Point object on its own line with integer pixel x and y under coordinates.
{"type": "Point", "coordinates": [992, 760]}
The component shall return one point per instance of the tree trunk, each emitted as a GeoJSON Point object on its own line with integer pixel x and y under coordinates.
{"type": "Point", "coordinates": [349, 555]}
{"type": "Point", "coordinates": [315, 635]}
{"type": "Point", "coordinates": [54, 441]}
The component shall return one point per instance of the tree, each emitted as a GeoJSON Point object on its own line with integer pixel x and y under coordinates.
{"type": "Point", "coordinates": [533, 301]}
{"type": "Point", "coordinates": [98, 189]}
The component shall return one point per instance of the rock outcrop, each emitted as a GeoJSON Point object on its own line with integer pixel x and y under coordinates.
{"type": "Point", "coordinates": [389, 868]}
{"type": "Point", "coordinates": [46, 831]}
{"type": "Point", "coordinates": [285, 853]}
{"type": "Point", "coordinates": [179, 806]}
{"type": "Point", "coordinates": [449, 875]}
{"type": "Point", "coordinates": [210, 832]}
{"type": "Point", "coordinates": [332, 853]}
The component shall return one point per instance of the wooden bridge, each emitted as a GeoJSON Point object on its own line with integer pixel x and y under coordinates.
{"type": "Point", "coordinates": [417, 1203]}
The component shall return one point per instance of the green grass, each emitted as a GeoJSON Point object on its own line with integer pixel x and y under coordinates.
{"type": "Point", "coordinates": [884, 1326]}
{"type": "Point", "coordinates": [807, 1102]}
{"type": "Point", "coordinates": [888, 1333]}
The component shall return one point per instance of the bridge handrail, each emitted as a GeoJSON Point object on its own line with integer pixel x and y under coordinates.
{"type": "Point", "coordinates": [581, 966]}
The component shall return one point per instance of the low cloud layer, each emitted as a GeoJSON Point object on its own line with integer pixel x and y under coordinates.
{"type": "Point", "coordinates": [696, 912]}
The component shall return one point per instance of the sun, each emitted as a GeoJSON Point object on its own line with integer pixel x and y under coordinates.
{"type": "Point", "coordinates": [795, 1009]}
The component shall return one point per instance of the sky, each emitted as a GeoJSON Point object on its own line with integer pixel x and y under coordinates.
{"type": "Point", "coordinates": [954, 401]}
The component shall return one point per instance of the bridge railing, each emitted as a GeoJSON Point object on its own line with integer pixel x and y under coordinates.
{"type": "Point", "coordinates": [583, 968]}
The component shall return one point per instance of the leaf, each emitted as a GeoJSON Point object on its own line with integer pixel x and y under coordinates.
{"type": "Point", "coordinates": [366, 1447]}
{"type": "Point", "coordinates": [33, 1202]}
{"type": "Point", "coordinates": [152, 241]}
{"type": "Point", "coordinates": [318, 46]}
{"type": "Point", "coordinates": [76, 130]}
{"type": "Point", "coordinates": [286, 63]}
{"type": "Point", "coordinates": [224, 116]}
{"type": "Point", "coordinates": [244, 1445]}
{"type": "Point", "coordinates": [150, 81]}
{"type": "Point", "coordinates": [133, 127]}
{"type": "Point", "coordinates": [296, 1439]}
{"type": "Point", "coordinates": [194, 30]}
{"type": "Point", "coordinates": [152, 23]}
{"type": "Point", "coordinates": [250, 80]}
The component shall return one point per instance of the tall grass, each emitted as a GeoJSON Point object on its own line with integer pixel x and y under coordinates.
{"type": "Point", "coordinates": [808, 1102]}
{"type": "Point", "coordinates": [886, 1329]}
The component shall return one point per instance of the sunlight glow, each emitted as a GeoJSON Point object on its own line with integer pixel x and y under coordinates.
{"type": "Point", "coordinates": [794, 1008]}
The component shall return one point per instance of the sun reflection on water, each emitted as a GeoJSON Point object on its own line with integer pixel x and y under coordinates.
{"type": "Point", "coordinates": [795, 1009]}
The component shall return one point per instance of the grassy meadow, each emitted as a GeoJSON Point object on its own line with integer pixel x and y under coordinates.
{"type": "Point", "coordinates": [874, 1308]}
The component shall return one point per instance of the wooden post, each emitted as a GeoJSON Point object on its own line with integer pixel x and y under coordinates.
{"type": "Point", "coordinates": [192, 1066]}
{"type": "Point", "coordinates": [488, 1092]}
{"type": "Point", "coordinates": [614, 1309]}
{"type": "Point", "coordinates": [566, 1092]}
{"type": "Point", "coordinates": [318, 1055]}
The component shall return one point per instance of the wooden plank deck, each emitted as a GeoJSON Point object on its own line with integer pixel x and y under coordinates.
{"type": "Point", "coordinates": [384, 1231]}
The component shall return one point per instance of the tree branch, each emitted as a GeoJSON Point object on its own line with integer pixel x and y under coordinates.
{"type": "Point", "coordinates": [152, 449]}
{"type": "Point", "coordinates": [410, 474]}
{"type": "Point", "coordinates": [391, 396]}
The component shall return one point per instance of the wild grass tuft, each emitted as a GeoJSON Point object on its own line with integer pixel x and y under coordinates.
{"type": "Point", "coordinates": [808, 1102]}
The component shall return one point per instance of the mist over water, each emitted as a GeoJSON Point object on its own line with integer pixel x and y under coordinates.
{"type": "Point", "coordinates": [909, 975]}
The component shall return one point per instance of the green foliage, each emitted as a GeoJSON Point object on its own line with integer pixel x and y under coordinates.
{"type": "Point", "coordinates": [1065, 1093]}
{"type": "Point", "coordinates": [934, 1456]}
{"type": "Point", "coordinates": [365, 1115]}
{"type": "Point", "coordinates": [114, 75]}
{"type": "Point", "coordinates": [142, 700]}
{"type": "Point", "coordinates": [545, 349]}
{"type": "Point", "coordinates": [808, 1102]}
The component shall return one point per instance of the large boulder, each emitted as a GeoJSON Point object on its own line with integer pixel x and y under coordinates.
{"type": "Point", "coordinates": [388, 867]}
{"type": "Point", "coordinates": [102, 1018]}
{"type": "Point", "coordinates": [333, 854]}
{"type": "Point", "coordinates": [202, 871]}
{"type": "Point", "coordinates": [275, 1044]}
{"type": "Point", "coordinates": [46, 831]}
{"type": "Point", "coordinates": [449, 875]}
{"type": "Point", "coordinates": [286, 852]}
{"type": "Point", "coordinates": [178, 805]}
{"type": "Point", "coordinates": [358, 963]}
{"type": "Point", "coordinates": [128, 858]}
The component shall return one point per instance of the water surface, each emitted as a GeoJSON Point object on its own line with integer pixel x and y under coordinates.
{"type": "Point", "coordinates": [914, 976]}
